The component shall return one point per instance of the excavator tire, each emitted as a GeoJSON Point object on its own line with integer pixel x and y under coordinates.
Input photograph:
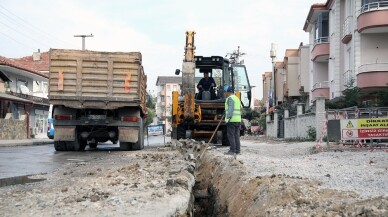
{"type": "Point", "coordinates": [181, 132]}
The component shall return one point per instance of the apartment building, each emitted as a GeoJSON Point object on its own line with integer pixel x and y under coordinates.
{"type": "Point", "coordinates": [280, 82]}
{"type": "Point", "coordinates": [291, 77]}
{"type": "Point", "coordinates": [266, 88]}
{"type": "Point", "coordinates": [348, 41]}
{"type": "Point", "coordinates": [165, 86]}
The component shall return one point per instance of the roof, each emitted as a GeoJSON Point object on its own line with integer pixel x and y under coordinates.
{"type": "Point", "coordinates": [292, 52]}
{"type": "Point", "coordinates": [19, 65]}
{"type": "Point", "coordinates": [161, 80]}
{"type": "Point", "coordinates": [279, 65]}
{"type": "Point", "coordinates": [314, 7]}
{"type": "Point", "coordinates": [38, 65]}
{"type": "Point", "coordinates": [4, 77]}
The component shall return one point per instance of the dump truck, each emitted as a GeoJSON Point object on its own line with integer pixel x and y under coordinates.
{"type": "Point", "coordinates": [97, 97]}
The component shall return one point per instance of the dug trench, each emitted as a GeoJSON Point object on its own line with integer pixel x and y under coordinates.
{"type": "Point", "coordinates": [224, 187]}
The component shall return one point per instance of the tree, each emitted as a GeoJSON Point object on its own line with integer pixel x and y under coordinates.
{"type": "Point", "coordinates": [351, 94]}
{"type": "Point", "coordinates": [382, 99]}
{"type": "Point", "coordinates": [150, 116]}
{"type": "Point", "coordinates": [151, 109]}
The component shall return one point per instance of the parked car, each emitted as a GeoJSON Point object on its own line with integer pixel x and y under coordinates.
{"type": "Point", "coordinates": [50, 128]}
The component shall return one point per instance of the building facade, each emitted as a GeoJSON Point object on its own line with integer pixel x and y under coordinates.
{"type": "Point", "coordinates": [348, 46]}
{"type": "Point", "coordinates": [165, 86]}
{"type": "Point", "coordinates": [26, 92]}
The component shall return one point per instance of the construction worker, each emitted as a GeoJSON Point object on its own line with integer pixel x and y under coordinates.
{"type": "Point", "coordinates": [206, 84]}
{"type": "Point", "coordinates": [232, 119]}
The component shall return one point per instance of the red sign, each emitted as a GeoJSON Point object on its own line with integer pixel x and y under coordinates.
{"type": "Point", "coordinates": [373, 133]}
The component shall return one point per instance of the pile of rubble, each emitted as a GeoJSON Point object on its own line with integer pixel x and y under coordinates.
{"type": "Point", "coordinates": [150, 182]}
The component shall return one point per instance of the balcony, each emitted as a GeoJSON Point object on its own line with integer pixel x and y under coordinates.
{"type": "Point", "coordinates": [347, 28]}
{"type": "Point", "coordinates": [321, 89]}
{"type": "Point", "coordinates": [373, 76]}
{"type": "Point", "coordinates": [373, 18]}
{"type": "Point", "coordinates": [348, 76]}
{"type": "Point", "coordinates": [321, 50]}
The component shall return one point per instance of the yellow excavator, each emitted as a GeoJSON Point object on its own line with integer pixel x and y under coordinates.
{"type": "Point", "coordinates": [196, 113]}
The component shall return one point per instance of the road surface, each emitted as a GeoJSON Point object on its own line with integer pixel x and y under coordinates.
{"type": "Point", "coordinates": [29, 160]}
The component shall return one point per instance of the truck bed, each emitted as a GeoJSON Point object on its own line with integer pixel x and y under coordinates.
{"type": "Point", "coordinates": [92, 79]}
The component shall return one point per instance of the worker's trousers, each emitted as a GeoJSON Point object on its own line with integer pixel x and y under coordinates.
{"type": "Point", "coordinates": [233, 131]}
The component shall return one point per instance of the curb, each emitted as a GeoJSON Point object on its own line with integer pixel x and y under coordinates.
{"type": "Point", "coordinates": [31, 142]}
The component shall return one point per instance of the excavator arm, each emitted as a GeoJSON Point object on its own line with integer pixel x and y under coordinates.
{"type": "Point", "coordinates": [188, 77]}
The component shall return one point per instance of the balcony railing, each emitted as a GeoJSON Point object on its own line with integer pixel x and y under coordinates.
{"type": "Point", "coordinates": [347, 26]}
{"type": "Point", "coordinates": [348, 76]}
{"type": "Point", "coordinates": [373, 67]}
{"type": "Point", "coordinates": [321, 84]}
{"type": "Point", "coordinates": [381, 5]}
{"type": "Point", "coordinates": [321, 40]}
{"type": "Point", "coordinates": [35, 99]}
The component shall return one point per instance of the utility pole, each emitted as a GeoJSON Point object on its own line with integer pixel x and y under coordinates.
{"type": "Point", "coordinates": [83, 39]}
{"type": "Point", "coordinates": [272, 94]}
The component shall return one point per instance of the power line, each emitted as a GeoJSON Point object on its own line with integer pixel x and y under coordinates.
{"type": "Point", "coordinates": [17, 41]}
{"type": "Point", "coordinates": [23, 34]}
{"type": "Point", "coordinates": [31, 26]}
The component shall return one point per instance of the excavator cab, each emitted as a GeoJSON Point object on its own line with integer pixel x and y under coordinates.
{"type": "Point", "coordinates": [223, 74]}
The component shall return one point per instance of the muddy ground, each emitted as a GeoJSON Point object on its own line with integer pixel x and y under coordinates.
{"type": "Point", "coordinates": [267, 179]}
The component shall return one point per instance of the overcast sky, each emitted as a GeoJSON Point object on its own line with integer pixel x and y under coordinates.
{"type": "Point", "coordinates": [157, 28]}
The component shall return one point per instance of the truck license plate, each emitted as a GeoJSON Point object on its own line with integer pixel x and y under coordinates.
{"type": "Point", "coordinates": [97, 117]}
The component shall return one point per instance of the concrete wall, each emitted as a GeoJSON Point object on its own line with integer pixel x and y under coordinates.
{"type": "Point", "coordinates": [374, 48]}
{"type": "Point", "coordinates": [13, 129]}
{"type": "Point", "coordinates": [320, 72]}
{"type": "Point", "coordinates": [271, 129]}
{"type": "Point", "coordinates": [297, 126]}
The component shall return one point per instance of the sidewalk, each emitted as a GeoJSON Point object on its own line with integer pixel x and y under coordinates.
{"type": "Point", "coordinates": [25, 142]}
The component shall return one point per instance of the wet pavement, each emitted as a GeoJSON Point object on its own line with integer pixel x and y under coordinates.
{"type": "Point", "coordinates": [22, 161]}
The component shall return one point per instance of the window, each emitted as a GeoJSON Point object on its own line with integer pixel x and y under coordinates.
{"type": "Point", "coordinates": [174, 88]}
{"type": "Point", "coordinates": [168, 87]}
{"type": "Point", "coordinates": [322, 28]}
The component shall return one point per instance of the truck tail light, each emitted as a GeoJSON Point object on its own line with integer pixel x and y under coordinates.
{"type": "Point", "coordinates": [129, 119]}
{"type": "Point", "coordinates": [63, 117]}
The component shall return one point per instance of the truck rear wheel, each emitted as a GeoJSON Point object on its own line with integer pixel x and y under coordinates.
{"type": "Point", "coordinates": [77, 145]}
{"type": "Point", "coordinates": [125, 146]}
{"type": "Point", "coordinates": [139, 145]}
{"type": "Point", "coordinates": [60, 146]}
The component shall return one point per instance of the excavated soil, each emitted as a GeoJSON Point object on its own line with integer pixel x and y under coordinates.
{"type": "Point", "coordinates": [241, 186]}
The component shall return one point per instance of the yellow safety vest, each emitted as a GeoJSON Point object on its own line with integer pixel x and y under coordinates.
{"type": "Point", "coordinates": [236, 117]}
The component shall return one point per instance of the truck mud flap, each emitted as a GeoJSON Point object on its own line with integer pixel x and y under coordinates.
{"type": "Point", "coordinates": [64, 133]}
{"type": "Point", "coordinates": [129, 134]}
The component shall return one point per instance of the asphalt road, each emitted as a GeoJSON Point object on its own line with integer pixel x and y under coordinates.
{"type": "Point", "coordinates": [29, 160]}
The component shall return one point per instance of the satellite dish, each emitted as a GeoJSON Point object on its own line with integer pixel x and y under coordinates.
{"type": "Point", "coordinates": [24, 89]}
